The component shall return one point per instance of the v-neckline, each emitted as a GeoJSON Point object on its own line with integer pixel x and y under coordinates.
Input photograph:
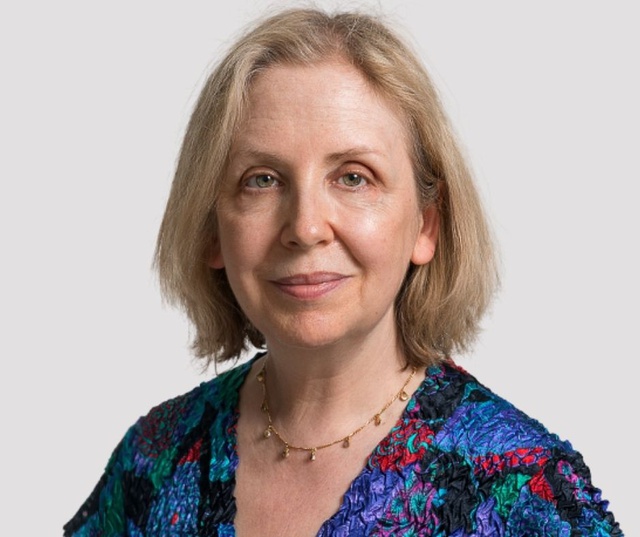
{"type": "Point", "coordinates": [370, 461]}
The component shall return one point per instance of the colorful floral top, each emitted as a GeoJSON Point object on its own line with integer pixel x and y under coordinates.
{"type": "Point", "coordinates": [461, 461]}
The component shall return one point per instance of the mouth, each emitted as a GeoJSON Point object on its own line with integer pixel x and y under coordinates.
{"type": "Point", "coordinates": [310, 286]}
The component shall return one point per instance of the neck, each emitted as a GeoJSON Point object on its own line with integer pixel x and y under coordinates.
{"type": "Point", "coordinates": [333, 368]}
{"type": "Point", "coordinates": [335, 388]}
{"type": "Point", "coordinates": [344, 439]}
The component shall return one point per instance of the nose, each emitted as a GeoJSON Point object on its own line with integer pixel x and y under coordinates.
{"type": "Point", "coordinates": [307, 218]}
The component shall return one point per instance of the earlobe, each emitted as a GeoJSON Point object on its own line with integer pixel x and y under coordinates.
{"type": "Point", "coordinates": [427, 238]}
{"type": "Point", "coordinates": [215, 259]}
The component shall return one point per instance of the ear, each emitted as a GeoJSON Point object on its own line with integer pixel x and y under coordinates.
{"type": "Point", "coordinates": [215, 259]}
{"type": "Point", "coordinates": [427, 238]}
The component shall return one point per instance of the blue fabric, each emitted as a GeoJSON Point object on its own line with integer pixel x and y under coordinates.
{"type": "Point", "coordinates": [461, 462]}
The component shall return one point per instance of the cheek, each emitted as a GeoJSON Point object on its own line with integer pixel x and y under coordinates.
{"type": "Point", "coordinates": [384, 238]}
{"type": "Point", "coordinates": [243, 241]}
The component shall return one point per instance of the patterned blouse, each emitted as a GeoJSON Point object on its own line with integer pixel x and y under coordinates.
{"type": "Point", "coordinates": [461, 461]}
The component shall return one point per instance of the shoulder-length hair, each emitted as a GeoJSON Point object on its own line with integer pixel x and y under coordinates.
{"type": "Point", "coordinates": [440, 305]}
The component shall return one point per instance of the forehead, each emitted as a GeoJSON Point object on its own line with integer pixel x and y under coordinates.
{"type": "Point", "coordinates": [331, 101]}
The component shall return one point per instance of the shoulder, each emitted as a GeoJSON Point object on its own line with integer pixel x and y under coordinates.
{"type": "Point", "coordinates": [513, 466]}
{"type": "Point", "coordinates": [477, 423]}
{"type": "Point", "coordinates": [476, 463]}
{"type": "Point", "coordinates": [166, 425]}
{"type": "Point", "coordinates": [159, 455]}
{"type": "Point", "coordinates": [453, 417]}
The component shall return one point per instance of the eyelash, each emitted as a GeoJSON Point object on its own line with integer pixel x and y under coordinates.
{"type": "Point", "coordinates": [252, 181]}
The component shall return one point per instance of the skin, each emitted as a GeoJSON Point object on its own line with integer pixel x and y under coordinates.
{"type": "Point", "coordinates": [318, 221]}
{"type": "Point", "coordinates": [318, 215]}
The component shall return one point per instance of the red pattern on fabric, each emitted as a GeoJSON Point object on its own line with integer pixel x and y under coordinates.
{"type": "Point", "coordinates": [193, 455]}
{"type": "Point", "coordinates": [495, 463]}
{"type": "Point", "coordinates": [159, 427]}
{"type": "Point", "coordinates": [404, 446]}
{"type": "Point", "coordinates": [541, 487]}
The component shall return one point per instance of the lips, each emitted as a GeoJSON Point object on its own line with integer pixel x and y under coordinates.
{"type": "Point", "coordinates": [310, 286]}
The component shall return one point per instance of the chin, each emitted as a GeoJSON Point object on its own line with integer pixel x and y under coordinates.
{"type": "Point", "coordinates": [305, 340]}
{"type": "Point", "coordinates": [306, 332]}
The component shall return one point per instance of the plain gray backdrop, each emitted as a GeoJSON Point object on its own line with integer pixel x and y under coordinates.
{"type": "Point", "coordinates": [95, 99]}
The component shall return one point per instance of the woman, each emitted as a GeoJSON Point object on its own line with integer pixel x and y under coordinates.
{"type": "Point", "coordinates": [321, 209]}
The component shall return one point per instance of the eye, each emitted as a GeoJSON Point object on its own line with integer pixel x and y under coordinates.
{"type": "Point", "coordinates": [352, 180]}
{"type": "Point", "coordinates": [262, 180]}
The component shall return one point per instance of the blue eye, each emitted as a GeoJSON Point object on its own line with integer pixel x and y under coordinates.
{"type": "Point", "coordinates": [352, 179]}
{"type": "Point", "coordinates": [263, 180]}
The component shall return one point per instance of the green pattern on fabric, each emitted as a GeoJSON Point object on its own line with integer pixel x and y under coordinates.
{"type": "Point", "coordinates": [507, 490]}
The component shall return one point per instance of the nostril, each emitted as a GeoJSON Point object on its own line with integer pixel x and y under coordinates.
{"type": "Point", "coordinates": [305, 233]}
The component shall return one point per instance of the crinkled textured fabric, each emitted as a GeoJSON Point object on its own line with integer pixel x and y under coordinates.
{"type": "Point", "coordinates": [460, 462]}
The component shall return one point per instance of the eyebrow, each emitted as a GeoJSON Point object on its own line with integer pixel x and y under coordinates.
{"type": "Point", "coordinates": [267, 157]}
{"type": "Point", "coordinates": [353, 152]}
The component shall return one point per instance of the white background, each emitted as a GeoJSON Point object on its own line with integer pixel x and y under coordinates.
{"type": "Point", "coordinates": [94, 101]}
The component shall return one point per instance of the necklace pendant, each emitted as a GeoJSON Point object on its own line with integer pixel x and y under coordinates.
{"type": "Point", "coordinates": [260, 376]}
{"type": "Point", "coordinates": [312, 457]}
{"type": "Point", "coordinates": [267, 432]}
{"type": "Point", "coordinates": [404, 396]}
{"type": "Point", "coordinates": [377, 419]}
{"type": "Point", "coordinates": [346, 442]}
{"type": "Point", "coordinates": [285, 452]}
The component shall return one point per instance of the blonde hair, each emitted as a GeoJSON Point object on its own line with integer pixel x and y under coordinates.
{"type": "Point", "coordinates": [439, 306]}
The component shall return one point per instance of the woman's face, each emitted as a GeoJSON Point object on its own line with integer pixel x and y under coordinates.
{"type": "Point", "coordinates": [318, 212]}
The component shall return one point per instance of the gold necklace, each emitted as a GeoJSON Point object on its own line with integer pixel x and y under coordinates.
{"type": "Point", "coordinates": [346, 440]}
